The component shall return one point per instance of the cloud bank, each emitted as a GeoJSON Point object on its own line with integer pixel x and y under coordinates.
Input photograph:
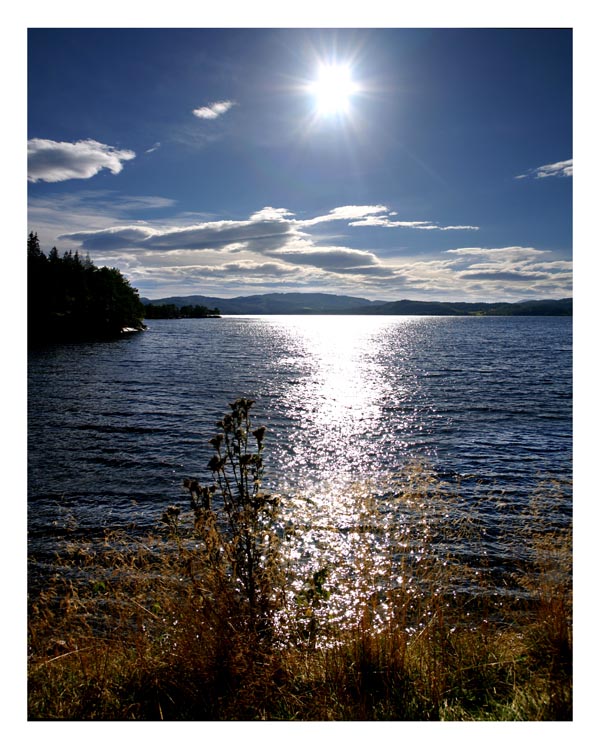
{"type": "Point", "coordinates": [274, 250]}
{"type": "Point", "coordinates": [57, 161]}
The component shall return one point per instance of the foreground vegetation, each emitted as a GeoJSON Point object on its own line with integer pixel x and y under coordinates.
{"type": "Point", "coordinates": [244, 608]}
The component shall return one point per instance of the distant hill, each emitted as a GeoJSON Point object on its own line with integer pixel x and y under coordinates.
{"type": "Point", "coordinates": [273, 304]}
{"type": "Point", "coordinates": [332, 304]}
{"type": "Point", "coordinates": [538, 307]}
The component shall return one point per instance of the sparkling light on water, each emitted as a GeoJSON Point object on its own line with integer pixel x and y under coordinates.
{"type": "Point", "coordinates": [346, 396]}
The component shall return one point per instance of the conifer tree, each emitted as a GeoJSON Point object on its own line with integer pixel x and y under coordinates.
{"type": "Point", "coordinates": [73, 299]}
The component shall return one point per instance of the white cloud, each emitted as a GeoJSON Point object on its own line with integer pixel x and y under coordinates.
{"type": "Point", "coordinates": [54, 161]}
{"type": "Point", "coordinates": [241, 271]}
{"type": "Point", "coordinates": [519, 266]}
{"type": "Point", "coordinates": [371, 215]}
{"type": "Point", "coordinates": [336, 259]}
{"type": "Point", "coordinates": [271, 214]}
{"type": "Point", "coordinates": [385, 221]}
{"type": "Point", "coordinates": [499, 252]}
{"type": "Point", "coordinates": [424, 225]}
{"type": "Point", "coordinates": [481, 274]}
{"type": "Point", "coordinates": [261, 234]}
{"type": "Point", "coordinates": [105, 205]}
{"type": "Point", "coordinates": [344, 213]}
{"type": "Point", "coordinates": [214, 110]}
{"type": "Point", "coordinates": [504, 275]}
{"type": "Point", "coordinates": [558, 169]}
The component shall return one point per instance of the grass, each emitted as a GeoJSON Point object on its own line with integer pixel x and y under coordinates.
{"type": "Point", "coordinates": [357, 610]}
{"type": "Point", "coordinates": [125, 632]}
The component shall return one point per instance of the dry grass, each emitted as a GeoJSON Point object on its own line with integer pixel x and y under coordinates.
{"type": "Point", "coordinates": [156, 630]}
{"type": "Point", "coordinates": [357, 609]}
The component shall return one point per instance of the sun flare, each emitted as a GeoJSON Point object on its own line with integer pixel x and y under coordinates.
{"type": "Point", "coordinates": [333, 89]}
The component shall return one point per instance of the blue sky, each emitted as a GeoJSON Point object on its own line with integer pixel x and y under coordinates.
{"type": "Point", "coordinates": [211, 161]}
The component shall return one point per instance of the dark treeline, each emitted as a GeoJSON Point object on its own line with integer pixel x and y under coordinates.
{"type": "Point", "coordinates": [69, 298]}
{"type": "Point", "coordinates": [173, 312]}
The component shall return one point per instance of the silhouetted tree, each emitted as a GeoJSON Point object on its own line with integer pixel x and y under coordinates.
{"type": "Point", "coordinates": [72, 299]}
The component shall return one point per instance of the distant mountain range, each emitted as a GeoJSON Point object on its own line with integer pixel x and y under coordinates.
{"type": "Point", "coordinates": [332, 304]}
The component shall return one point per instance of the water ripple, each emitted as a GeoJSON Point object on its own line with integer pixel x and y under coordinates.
{"type": "Point", "coordinates": [114, 427]}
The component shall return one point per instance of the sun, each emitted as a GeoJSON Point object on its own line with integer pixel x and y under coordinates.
{"type": "Point", "coordinates": [333, 89]}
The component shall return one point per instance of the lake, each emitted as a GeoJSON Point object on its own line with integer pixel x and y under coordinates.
{"type": "Point", "coordinates": [484, 402]}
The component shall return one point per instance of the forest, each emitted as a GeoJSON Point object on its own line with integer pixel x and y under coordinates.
{"type": "Point", "coordinates": [69, 298]}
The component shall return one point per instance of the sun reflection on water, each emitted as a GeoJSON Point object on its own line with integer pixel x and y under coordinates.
{"type": "Point", "coordinates": [362, 557]}
{"type": "Point", "coordinates": [348, 414]}
{"type": "Point", "coordinates": [370, 528]}
{"type": "Point", "coordinates": [352, 424]}
{"type": "Point", "coordinates": [346, 389]}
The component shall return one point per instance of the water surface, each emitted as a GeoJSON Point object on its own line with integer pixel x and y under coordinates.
{"type": "Point", "coordinates": [114, 427]}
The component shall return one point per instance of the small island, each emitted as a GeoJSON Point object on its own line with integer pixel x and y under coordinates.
{"type": "Point", "coordinates": [174, 312]}
{"type": "Point", "coordinates": [70, 299]}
